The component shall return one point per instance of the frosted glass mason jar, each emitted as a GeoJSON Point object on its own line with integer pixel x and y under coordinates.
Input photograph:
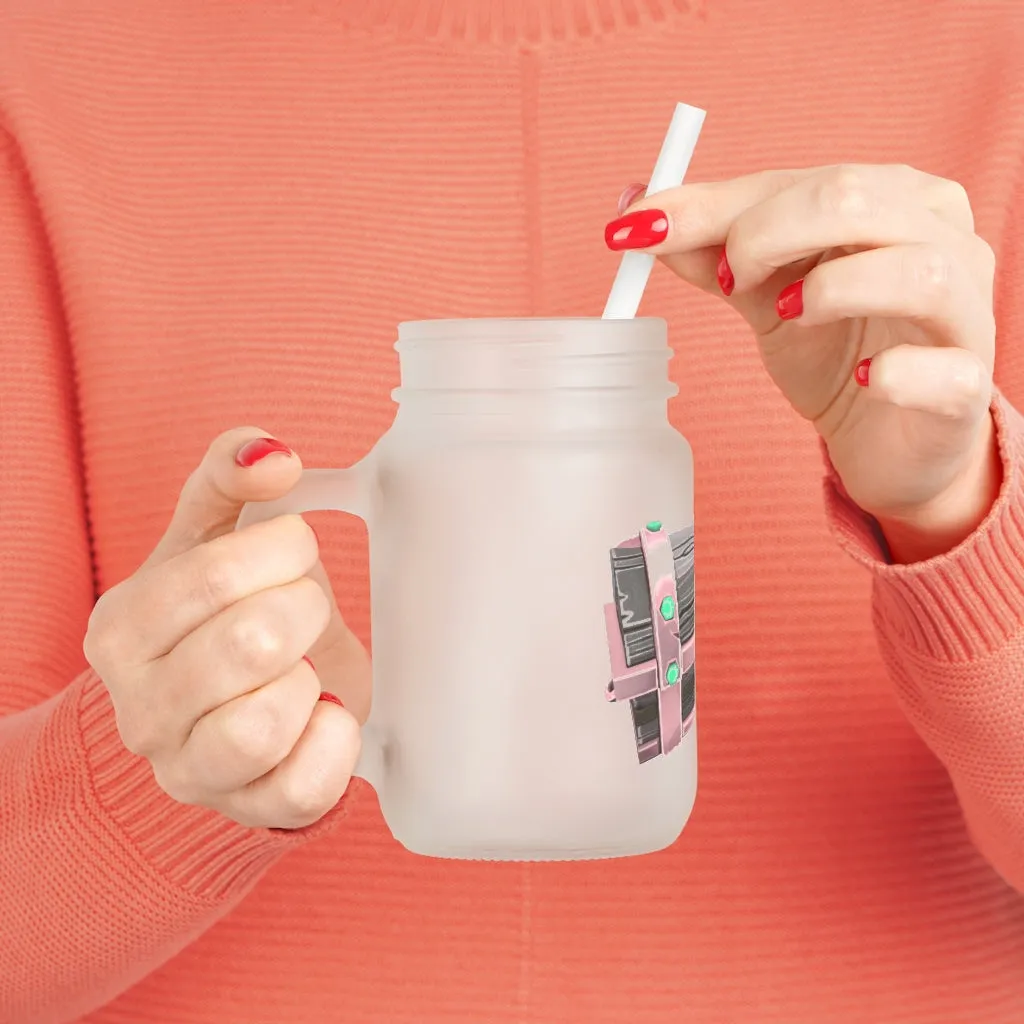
{"type": "Point", "coordinates": [530, 519]}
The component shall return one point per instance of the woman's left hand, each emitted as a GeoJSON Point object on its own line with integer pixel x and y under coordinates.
{"type": "Point", "coordinates": [871, 299]}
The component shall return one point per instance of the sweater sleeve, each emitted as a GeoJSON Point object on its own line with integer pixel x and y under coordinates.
{"type": "Point", "coordinates": [102, 876]}
{"type": "Point", "coordinates": [951, 632]}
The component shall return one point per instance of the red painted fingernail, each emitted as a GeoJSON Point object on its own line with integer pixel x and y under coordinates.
{"type": "Point", "coordinates": [630, 194]}
{"type": "Point", "coordinates": [790, 303]}
{"type": "Point", "coordinates": [330, 698]}
{"type": "Point", "coordinates": [252, 451]}
{"type": "Point", "coordinates": [860, 375]}
{"type": "Point", "coordinates": [309, 662]}
{"type": "Point", "coordinates": [725, 279]}
{"type": "Point", "coordinates": [637, 230]}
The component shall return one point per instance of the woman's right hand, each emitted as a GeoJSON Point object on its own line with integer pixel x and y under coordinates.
{"type": "Point", "coordinates": [202, 650]}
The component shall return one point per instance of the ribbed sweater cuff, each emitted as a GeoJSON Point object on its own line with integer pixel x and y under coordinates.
{"type": "Point", "coordinates": [204, 853]}
{"type": "Point", "coordinates": [961, 605]}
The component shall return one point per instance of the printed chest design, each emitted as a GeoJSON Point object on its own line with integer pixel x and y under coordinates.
{"type": "Point", "coordinates": [650, 627]}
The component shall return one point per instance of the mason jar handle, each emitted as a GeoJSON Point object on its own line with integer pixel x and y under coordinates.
{"type": "Point", "coordinates": [318, 490]}
{"type": "Point", "coordinates": [352, 491]}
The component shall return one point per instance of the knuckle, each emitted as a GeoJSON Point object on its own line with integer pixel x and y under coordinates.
{"type": "Point", "coordinates": [251, 641]}
{"type": "Point", "coordinates": [98, 645]}
{"type": "Point", "coordinates": [217, 580]}
{"type": "Point", "coordinates": [101, 644]}
{"type": "Point", "coordinates": [139, 731]}
{"type": "Point", "coordinates": [930, 270]}
{"type": "Point", "coordinates": [845, 192]}
{"type": "Point", "coordinates": [308, 798]}
{"type": "Point", "coordinates": [256, 734]}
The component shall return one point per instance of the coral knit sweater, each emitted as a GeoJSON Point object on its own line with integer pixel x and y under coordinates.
{"type": "Point", "coordinates": [214, 213]}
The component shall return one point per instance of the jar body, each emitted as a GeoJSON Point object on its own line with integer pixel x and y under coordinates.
{"type": "Point", "coordinates": [495, 618]}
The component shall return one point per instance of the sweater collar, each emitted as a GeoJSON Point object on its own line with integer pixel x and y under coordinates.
{"type": "Point", "coordinates": [512, 21]}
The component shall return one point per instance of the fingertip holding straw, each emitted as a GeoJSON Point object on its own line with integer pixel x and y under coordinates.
{"type": "Point", "coordinates": [669, 171]}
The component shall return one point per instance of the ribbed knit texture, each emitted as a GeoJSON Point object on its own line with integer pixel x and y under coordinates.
{"type": "Point", "coordinates": [214, 213]}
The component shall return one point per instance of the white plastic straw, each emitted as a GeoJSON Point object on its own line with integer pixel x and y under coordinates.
{"type": "Point", "coordinates": [669, 171]}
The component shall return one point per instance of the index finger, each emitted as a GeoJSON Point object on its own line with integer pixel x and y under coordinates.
{"type": "Point", "coordinates": [161, 604]}
{"type": "Point", "coordinates": [700, 215]}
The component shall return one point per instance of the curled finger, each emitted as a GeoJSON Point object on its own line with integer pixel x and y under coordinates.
{"type": "Point", "coordinates": [242, 740]}
{"type": "Point", "coordinates": [920, 283]}
{"type": "Point", "coordinates": [244, 648]}
{"type": "Point", "coordinates": [309, 781]}
{"type": "Point", "coordinates": [949, 383]}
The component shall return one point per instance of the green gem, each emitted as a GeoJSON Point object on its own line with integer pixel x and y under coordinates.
{"type": "Point", "coordinates": [672, 673]}
{"type": "Point", "coordinates": [654, 525]}
{"type": "Point", "coordinates": [668, 608]}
